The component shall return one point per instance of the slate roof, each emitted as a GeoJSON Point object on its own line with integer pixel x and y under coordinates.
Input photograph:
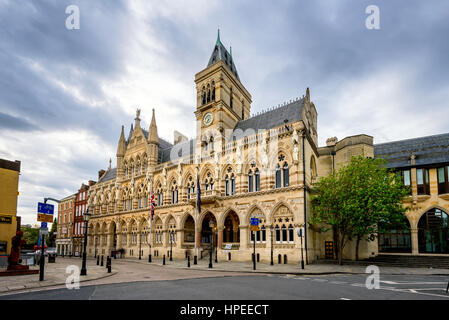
{"type": "Point", "coordinates": [109, 175]}
{"type": "Point", "coordinates": [273, 118]}
{"type": "Point", "coordinates": [176, 151]}
{"type": "Point", "coordinates": [220, 53]}
{"type": "Point", "coordinates": [428, 150]}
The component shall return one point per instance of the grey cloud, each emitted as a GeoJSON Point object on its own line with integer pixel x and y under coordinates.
{"type": "Point", "coordinates": [8, 122]}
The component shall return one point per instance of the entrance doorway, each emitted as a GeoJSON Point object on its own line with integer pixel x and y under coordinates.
{"type": "Point", "coordinates": [433, 232]}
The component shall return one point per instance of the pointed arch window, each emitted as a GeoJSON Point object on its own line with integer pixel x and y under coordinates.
{"type": "Point", "coordinates": [278, 234]}
{"type": "Point", "coordinates": [278, 176]}
{"type": "Point", "coordinates": [290, 234]}
{"type": "Point", "coordinates": [250, 181]}
{"type": "Point", "coordinates": [257, 180]}
{"type": "Point", "coordinates": [230, 99]}
{"type": "Point", "coordinates": [203, 95]}
{"type": "Point", "coordinates": [284, 233]}
{"type": "Point", "coordinates": [213, 91]}
{"type": "Point", "coordinates": [286, 175]}
{"type": "Point", "coordinates": [232, 184]}
{"type": "Point", "coordinates": [227, 185]}
{"type": "Point", "coordinates": [208, 93]}
{"type": "Point", "coordinates": [174, 193]}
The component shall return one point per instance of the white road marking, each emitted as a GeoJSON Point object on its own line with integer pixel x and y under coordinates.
{"type": "Point", "coordinates": [344, 299]}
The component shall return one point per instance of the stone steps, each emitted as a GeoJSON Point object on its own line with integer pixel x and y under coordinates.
{"type": "Point", "coordinates": [399, 261]}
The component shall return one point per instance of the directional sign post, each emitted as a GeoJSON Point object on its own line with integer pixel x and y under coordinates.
{"type": "Point", "coordinates": [300, 232]}
{"type": "Point", "coordinates": [254, 222]}
{"type": "Point", "coordinates": [45, 212]}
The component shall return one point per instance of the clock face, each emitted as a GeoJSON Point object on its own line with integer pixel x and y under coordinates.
{"type": "Point", "coordinates": [208, 118]}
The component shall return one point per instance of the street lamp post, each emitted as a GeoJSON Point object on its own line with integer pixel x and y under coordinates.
{"type": "Point", "coordinates": [171, 245]}
{"type": "Point", "coordinates": [211, 225]}
{"type": "Point", "coordinates": [216, 245]}
{"type": "Point", "coordinates": [271, 230]}
{"type": "Point", "coordinates": [300, 233]}
{"type": "Point", "coordinates": [86, 219]}
{"type": "Point", "coordinates": [140, 245]}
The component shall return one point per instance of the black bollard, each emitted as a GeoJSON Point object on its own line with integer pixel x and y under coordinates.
{"type": "Point", "coordinates": [195, 260]}
{"type": "Point", "coordinates": [98, 260]}
{"type": "Point", "coordinates": [107, 261]}
{"type": "Point", "coordinates": [149, 258]}
{"type": "Point", "coordinates": [188, 261]}
{"type": "Point", "coordinates": [109, 264]}
{"type": "Point", "coordinates": [163, 260]}
{"type": "Point", "coordinates": [101, 264]}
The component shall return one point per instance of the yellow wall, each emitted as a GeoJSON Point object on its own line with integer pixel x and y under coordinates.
{"type": "Point", "coordinates": [9, 186]}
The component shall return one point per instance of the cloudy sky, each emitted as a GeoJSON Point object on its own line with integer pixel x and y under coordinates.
{"type": "Point", "coordinates": [64, 94]}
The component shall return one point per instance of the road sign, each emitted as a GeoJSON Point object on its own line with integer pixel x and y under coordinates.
{"type": "Point", "coordinates": [45, 212]}
{"type": "Point", "coordinates": [44, 217]}
{"type": "Point", "coordinates": [255, 228]}
{"type": "Point", "coordinates": [45, 208]}
{"type": "Point", "coordinates": [254, 221]}
{"type": "Point", "coordinates": [300, 232]}
{"type": "Point", "coordinates": [43, 231]}
{"type": "Point", "coordinates": [43, 225]}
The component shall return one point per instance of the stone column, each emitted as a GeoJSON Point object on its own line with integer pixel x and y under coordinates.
{"type": "Point", "coordinates": [244, 237]}
{"type": "Point", "coordinates": [220, 237]}
{"type": "Point", "coordinates": [178, 236]}
{"type": "Point", "coordinates": [415, 245]}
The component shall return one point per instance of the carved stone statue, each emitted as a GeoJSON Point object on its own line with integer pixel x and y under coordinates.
{"type": "Point", "coordinates": [137, 113]}
{"type": "Point", "coordinates": [295, 153]}
{"type": "Point", "coordinates": [13, 260]}
{"type": "Point", "coordinates": [295, 137]}
{"type": "Point", "coordinates": [217, 172]}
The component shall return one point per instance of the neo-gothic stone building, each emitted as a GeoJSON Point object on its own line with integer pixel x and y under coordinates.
{"type": "Point", "coordinates": [261, 166]}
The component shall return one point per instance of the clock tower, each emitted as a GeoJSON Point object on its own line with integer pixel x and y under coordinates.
{"type": "Point", "coordinates": [222, 100]}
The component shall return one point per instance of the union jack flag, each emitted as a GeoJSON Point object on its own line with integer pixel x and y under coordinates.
{"type": "Point", "coordinates": [153, 204]}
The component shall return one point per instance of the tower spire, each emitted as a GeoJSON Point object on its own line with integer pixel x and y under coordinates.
{"type": "Point", "coordinates": [218, 37]}
{"type": "Point", "coordinates": [121, 144]}
{"type": "Point", "coordinates": [152, 133]}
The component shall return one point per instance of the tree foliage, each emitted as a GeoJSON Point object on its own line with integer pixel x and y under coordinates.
{"type": "Point", "coordinates": [358, 201]}
{"type": "Point", "coordinates": [31, 236]}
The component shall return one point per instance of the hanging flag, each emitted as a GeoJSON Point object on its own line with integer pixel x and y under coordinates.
{"type": "Point", "coordinates": [152, 203]}
{"type": "Point", "coordinates": [198, 194]}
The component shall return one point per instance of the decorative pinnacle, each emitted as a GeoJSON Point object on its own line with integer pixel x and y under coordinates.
{"type": "Point", "coordinates": [218, 37]}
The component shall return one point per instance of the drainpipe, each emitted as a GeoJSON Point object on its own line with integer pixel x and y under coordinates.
{"type": "Point", "coordinates": [304, 188]}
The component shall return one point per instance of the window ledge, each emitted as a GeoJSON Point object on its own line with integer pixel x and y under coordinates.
{"type": "Point", "coordinates": [444, 196]}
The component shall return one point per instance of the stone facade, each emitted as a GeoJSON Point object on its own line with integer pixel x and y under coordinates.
{"type": "Point", "coordinates": [246, 166]}
{"type": "Point", "coordinates": [261, 166]}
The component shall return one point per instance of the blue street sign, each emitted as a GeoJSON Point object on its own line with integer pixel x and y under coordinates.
{"type": "Point", "coordinates": [254, 221]}
{"type": "Point", "coordinates": [43, 225]}
{"type": "Point", "coordinates": [45, 208]}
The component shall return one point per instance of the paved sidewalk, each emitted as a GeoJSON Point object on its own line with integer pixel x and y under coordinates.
{"type": "Point", "coordinates": [311, 269]}
{"type": "Point", "coordinates": [55, 274]}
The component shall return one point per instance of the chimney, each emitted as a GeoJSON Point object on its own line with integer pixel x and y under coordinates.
{"type": "Point", "coordinates": [331, 141]}
{"type": "Point", "coordinates": [179, 137]}
{"type": "Point", "coordinates": [100, 174]}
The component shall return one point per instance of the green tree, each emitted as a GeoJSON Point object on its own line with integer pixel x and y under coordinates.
{"type": "Point", "coordinates": [51, 239]}
{"type": "Point", "coordinates": [358, 201]}
{"type": "Point", "coordinates": [31, 236]}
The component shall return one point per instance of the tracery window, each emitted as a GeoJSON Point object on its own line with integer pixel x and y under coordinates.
{"type": "Point", "coordinates": [174, 193]}
{"type": "Point", "coordinates": [230, 183]}
{"type": "Point", "coordinates": [282, 176]}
